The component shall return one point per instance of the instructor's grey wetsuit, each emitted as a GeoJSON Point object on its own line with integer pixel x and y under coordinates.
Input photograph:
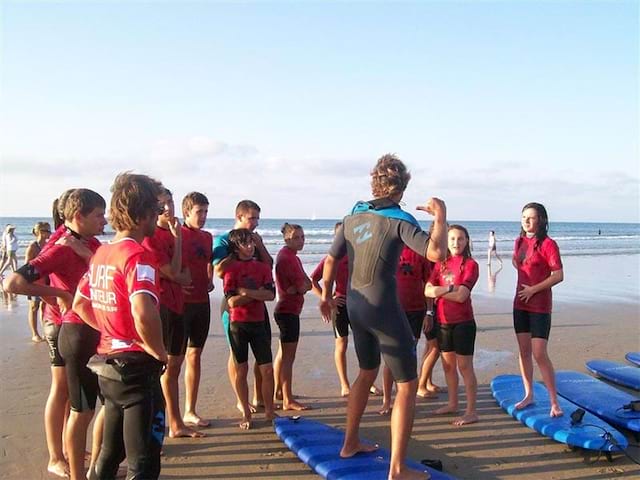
{"type": "Point", "coordinates": [373, 237]}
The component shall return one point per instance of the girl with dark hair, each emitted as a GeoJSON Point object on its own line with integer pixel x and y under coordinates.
{"type": "Point", "coordinates": [536, 257]}
{"type": "Point", "coordinates": [451, 283]}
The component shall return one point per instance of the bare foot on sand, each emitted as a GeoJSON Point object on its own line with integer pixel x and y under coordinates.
{"type": "Point", "coordinates": [524, 403]}
{"type": "Point", "coordinates": [348, 452]}
{"type": "Point", "coordinates": [194, 419]}
{"type": "Point", "coordinates": [385, 410]}
{"type": "Point", "coordinates": [375, 391]}
{"type": "Point", "coordinates": [426, 394]}
{"type": "Point", "coordinates": [465, 419]}
{"type": "Point", "coordinates": [270, 416]}
{"type": "Point", "coordinates": [448, 409]}
{"type": "Point", "coordinates": [252, 408]}
{"type": "Point", "coordinates": [433, 388]}
{"type": "Point", "coordinates": [185, 432]}
{"type": "Point", "coordinates": [245, 424]}
{"type": "Point", "coordinates": [556, 411]}
{"type": "Point", "coordinates": [297, 406]}
{"type": "Point", "coordinates": [60, 468]}
{"type": "Point", "coordinates": [408, 474]}
{"type": "Point", "coordinates": [37, 339]}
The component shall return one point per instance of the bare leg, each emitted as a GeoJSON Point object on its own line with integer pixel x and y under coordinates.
{"type": "Point", "coordinates": [387, 391]}
{"type": "Point", "coordinates": [277, 375]}
{"type": "Point", "coordinates": [286, 377]}
{"type": "Point", "coordinates": [451, 375]}
{"type": "Point", "coordinates": [548, 374]}
{"type": "Point", "coordinates": [526, 369]}
{"type": "Point", "coordinates": [76, 441]}
{"type": "Point", "coordinates": [33, 321]}
{"type": "Point", "coordinates": [170, 389]}
{"type": "Point", "coordinates": [401, 426]}
{"type": "Point", "coordinates": [243, 393]}
{"type": "Point", "coordinates": [340, 358]}
{"type": "Point", "coordinates": [355, 408]}
{"type": "Point", "coordinates": [426, 387]}
{"type": "Point", "coordinates": [54, 419]}
{"type": "Point", "coordinates": [465, 365]}
{"type": "Point", "coordinates": [192, 384]}
{"type": "Point", "coordinates": [258, 400]}
{"type": "Point", "coordinates": [96, 439]}
{"type": "Point", "coordinates": [267, 390]}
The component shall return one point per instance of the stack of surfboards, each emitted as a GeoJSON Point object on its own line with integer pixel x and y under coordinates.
{"type": "Point", "coordinates": [318, 445]}
{"type": "Point", "coordinates": [604, 404]}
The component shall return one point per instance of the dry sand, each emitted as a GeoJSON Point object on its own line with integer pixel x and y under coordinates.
{"type": "Point", "coordinates": [497, 447]}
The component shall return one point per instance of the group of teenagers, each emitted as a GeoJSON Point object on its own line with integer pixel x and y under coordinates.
{"type": "Point", "coordinates": [122, 317]}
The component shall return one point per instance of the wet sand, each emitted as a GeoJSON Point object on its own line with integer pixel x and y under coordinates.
{"type": "Point", "coordinates": [498, 447]}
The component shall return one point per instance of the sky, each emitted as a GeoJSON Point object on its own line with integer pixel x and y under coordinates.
{"type": "Point", "coordinates": [490, 104]}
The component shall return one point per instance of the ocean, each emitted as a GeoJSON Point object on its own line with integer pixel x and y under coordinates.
{"type": "Point", "coordinates": [574, 238]}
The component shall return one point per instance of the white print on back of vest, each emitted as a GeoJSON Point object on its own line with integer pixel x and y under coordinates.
{"type": "Point", "coordinates": [145, 273]}
{"type": "Point", "coordinates": [117, 344]}
{"type": "Point", "coordinates": [364, 232]}
{"type": "Point", "coordinates": [100, 284]}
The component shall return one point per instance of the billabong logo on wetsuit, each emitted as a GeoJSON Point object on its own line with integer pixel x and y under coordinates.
{"type": "Point", "coordinates": [363, 232]}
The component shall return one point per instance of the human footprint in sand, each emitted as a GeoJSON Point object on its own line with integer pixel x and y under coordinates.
{"type": "Point", "coordinates": [536, 257]}
{"type": "Point", "coordinates": [450, 284]}
{"type": "Point", "coordinates": [248, 283]}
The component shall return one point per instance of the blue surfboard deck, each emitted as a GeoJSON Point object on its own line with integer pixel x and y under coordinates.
{"type": "Point", "coordinates": [633, 357]}
{"type": "Point", "coordinates": [318, 445]}
{"type": "Point", "coordinates": [599, 398]}
{"type": "Point", "coordinates": [624, 375]}
{"type": "Point", "coordinates": [508, 390]}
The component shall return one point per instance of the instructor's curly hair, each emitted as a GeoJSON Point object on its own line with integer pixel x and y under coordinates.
{"type": "Point", "coordinates": [389, 177]}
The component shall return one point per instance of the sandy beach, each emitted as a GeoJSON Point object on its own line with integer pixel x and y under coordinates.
{"type": "Point", "coordinates": [596, 315]}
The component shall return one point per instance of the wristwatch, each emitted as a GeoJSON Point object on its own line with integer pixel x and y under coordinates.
{"type": "Point", "coordinates": [450, 289]}
{"type": "Point", "coordinates": [429, 313]}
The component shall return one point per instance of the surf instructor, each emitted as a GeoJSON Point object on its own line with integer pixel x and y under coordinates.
{"type": "Point", "coordinates": [372, 237]}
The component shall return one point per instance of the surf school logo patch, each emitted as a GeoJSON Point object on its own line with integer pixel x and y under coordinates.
{"type": "Point", "coordinates": [145, 273]}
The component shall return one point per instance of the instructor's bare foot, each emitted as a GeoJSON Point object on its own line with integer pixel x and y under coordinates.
{"type": "Point", "coordinates": [465, 419]}
{"type": "Point", "coordinates": [60, 468]}
{"type": "Point", "coordinates": [194, 419]}
{"type": "Point", "coordinates": [409, 474]}
{"type": "Point", "coordinates": [297, 406]}
{"type": "Point", "coordinates": [556, 411]}
{"type": "Point", "coordinates": [446, 410]}
{"type": "Point", "coordinates": [348, 452]}
{"type": "Point", "coordinates": [185, 432]}
{"type": "Point", "coordinates": [524, 403]}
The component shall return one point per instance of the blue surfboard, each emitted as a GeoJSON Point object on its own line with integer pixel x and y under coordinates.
{"type": "Point", "coordinates": [508, 390]}
{"type": "Point", "coordinates": [318, 445]}
{"type": "Point", "coordinates": [599, 398]}
{"type": "Point", "coordinates": [624, 375]}
{"type": "Point", "coordinates": [633, 357]}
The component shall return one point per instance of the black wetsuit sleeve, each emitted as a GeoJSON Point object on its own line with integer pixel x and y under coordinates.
{"type": "Point", "coordinates": [339, 247]}
{"type": "Point", "coordinates": [29, 273]}
{"type": "Point", "coordinates": [414, 237]}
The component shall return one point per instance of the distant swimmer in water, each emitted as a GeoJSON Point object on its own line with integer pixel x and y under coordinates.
{"type": "Point", "coordinates": [492, 248]}
{"type": "Point", "coordinates": [537, 258]}
{"type": "Point", "coordinates": [372, 236]}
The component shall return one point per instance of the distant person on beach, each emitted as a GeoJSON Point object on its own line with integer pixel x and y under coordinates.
{"type": "Point", "coordinates": [166, 247]}
{"type": "Point", "coordinates": [247, 215]}
{"type": "Point", "coordinates": [372, 236]}
{"type": "Point", "coordinates": [340, 320]}
{"type": "Point", "coordinates": [492, 250]}
{"type": "Point", "coordinates": [248, 284]}
{"type": "Point", "coordinates": [42, 232]}
{"type": "Point", "coordinates": [292, 283]}
{"type": "Point", "coordinates": [197, 248]}
{"type": "Point", "coordinates": [10, 244]}
{"type": "Point", "coordinates": [71, 342]}
{"type": "Point", "coordinates": [120, 297]}
{"type": "Point", "coordinates": [412, 275]}
{"type": "Point", "coordinates": [450, 284]}
{"type": "Point", "coordinates": [536, 257]}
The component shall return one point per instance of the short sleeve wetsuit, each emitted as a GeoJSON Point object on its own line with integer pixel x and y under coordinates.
{"type": "Point", "coordinates": [373, 236]}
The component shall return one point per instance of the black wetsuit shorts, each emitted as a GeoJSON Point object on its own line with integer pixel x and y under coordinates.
{"type": "Point", "coordinates": [289, 324]}
{"type": "Point", "coordinates": [457, 337]}
{"type": "Point", "coordinates": [197, 317]}
{"type": "Point", "coordinates": [538, 324]}
{"type": "Point", "coordinates": [78, 343]}
{"type": "Point", "coordinates": [243, 334]}
{"type": "Point", "coordinates": [341, 322]}
{"type": "Point", "coordinates": [173, 331]}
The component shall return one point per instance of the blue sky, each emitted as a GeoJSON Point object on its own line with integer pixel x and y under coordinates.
{"type": "Point", "coordinates": [490, 104]}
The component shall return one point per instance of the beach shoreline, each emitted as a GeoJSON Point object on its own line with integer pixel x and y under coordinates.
{"type": "Point", "coordinates": [497, 447]}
